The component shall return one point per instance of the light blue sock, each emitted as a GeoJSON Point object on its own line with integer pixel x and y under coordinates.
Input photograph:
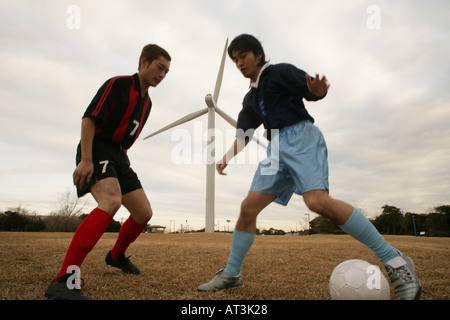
{"type": "Point", "coordinates": [240, 245]}
{"type": "Point", "coordinates": [360, 228]}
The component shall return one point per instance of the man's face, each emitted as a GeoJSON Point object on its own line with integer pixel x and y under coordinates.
{"type": "Point", "coordinates": [247, 63]}
{"type": "Point", "coordinates": [153, 73]}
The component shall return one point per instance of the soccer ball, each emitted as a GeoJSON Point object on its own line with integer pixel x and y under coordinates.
{"type": "Point", "coordinates": [358, 280]}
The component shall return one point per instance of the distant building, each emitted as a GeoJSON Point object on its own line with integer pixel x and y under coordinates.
{"type": "Point", "coordinates": [154, 229]}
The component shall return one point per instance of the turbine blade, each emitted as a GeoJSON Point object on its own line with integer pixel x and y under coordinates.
{"type": "Point", "coordinates": [233, 122]}
{"type": "Point", "coordinates": [220, 75]}
{"type": "Point", "coordinates": [187, 118]}
{"type": "Point", "coordinates": [227, 118]}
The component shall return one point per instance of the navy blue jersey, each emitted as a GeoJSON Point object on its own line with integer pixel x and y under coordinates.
{"type": "Point", "coordinates": [119, 110]}
{"type": "Point", "coordinates": [277, 102]}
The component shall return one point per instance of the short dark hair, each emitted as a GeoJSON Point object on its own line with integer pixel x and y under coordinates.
{"type": "Point", "coordinates": [246, 42]}
{"type": "Point", "coordinates": [151, 52]}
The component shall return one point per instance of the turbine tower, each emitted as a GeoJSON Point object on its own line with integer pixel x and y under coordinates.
{"type": "Point", "coordinates": [211, 102]}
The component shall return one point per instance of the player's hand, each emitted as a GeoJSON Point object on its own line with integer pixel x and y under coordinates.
{"type": "Point", "coordinates": [220, 167]}
{"type": "Point", "coordinates": [82, 173]}
{"type": "Point", "coordinates": [318, 87]}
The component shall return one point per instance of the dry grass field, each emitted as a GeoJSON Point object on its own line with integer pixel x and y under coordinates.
{"type": "Point", "coordinates": [172, 266]}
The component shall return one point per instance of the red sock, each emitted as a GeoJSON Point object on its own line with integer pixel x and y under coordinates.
{"type": "Point", "coordinates": [85, 238]}
{"type": "Point", "coordinates": [128, 233]}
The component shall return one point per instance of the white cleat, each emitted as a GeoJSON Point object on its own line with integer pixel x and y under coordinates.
{"type": "Point", "coordinates": [402, 272]}
{"type": "Point", "coordinates": [222, 281]}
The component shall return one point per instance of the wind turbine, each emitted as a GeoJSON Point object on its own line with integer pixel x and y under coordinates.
{"type": "Point", "coordinates": [211, 102]}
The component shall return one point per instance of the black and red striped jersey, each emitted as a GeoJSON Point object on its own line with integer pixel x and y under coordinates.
{"type": "Point", "coordinates": [119, 110]}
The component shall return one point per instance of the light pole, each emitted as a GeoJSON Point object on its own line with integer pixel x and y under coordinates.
{"type": "Point", "coordinates": [309, 226]}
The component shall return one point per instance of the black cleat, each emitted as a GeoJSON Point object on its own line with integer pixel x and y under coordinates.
{"type": "Point", "coordinates": [122, 263]}
{"type": "Point", "coordinates": [60, 290]}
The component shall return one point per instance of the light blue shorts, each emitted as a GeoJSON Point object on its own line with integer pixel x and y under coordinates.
{"type": "Point", "coordinates": [296, 162]}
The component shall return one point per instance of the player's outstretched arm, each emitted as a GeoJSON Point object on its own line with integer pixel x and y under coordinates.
{"type": "Point", "coordinates": [238, 145]}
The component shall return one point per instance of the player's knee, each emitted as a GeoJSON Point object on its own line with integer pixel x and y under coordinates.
{"type": "Point", "coordinates": [245, 207]}
{"type": "Point", "coordinates": [248, 211]}
{"type": "Point", "coordinates": [143, 215]}
{"type": "Point", "coordinates": [116, 203]}
{"type": "Point", "coordinates": [112, 205]}
{"type": "Point", "coordinates": [315, 204]}
{"type": "Point", "coordinates": [148, 214]}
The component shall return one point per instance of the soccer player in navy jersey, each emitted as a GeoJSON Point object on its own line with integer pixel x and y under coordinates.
{"type": "Point", "coordinates": [110, 126]}
{"type": "Point", "coordinates": [296, 163]}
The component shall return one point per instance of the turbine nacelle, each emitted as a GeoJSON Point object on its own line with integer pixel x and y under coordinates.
{"type": "Point", "coordinates": [210, 101]}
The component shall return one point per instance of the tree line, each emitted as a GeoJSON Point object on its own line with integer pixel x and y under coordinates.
{"type": "Point", "coordinates": [393, 220]}
{"type": "Point", "coordinates": [66, 218]}
{"type": "Point", "coordinates": [19, 219]}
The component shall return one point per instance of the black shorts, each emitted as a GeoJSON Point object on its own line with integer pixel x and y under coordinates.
{"type": "Point", "coordinates": [109, 162]}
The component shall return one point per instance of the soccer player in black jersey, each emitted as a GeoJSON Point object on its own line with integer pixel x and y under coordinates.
{"type": "Point", "coordinates": [111, 124]}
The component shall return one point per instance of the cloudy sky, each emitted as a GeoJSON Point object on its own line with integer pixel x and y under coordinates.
{"type": "Point", "coordinates": [386, 117]}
